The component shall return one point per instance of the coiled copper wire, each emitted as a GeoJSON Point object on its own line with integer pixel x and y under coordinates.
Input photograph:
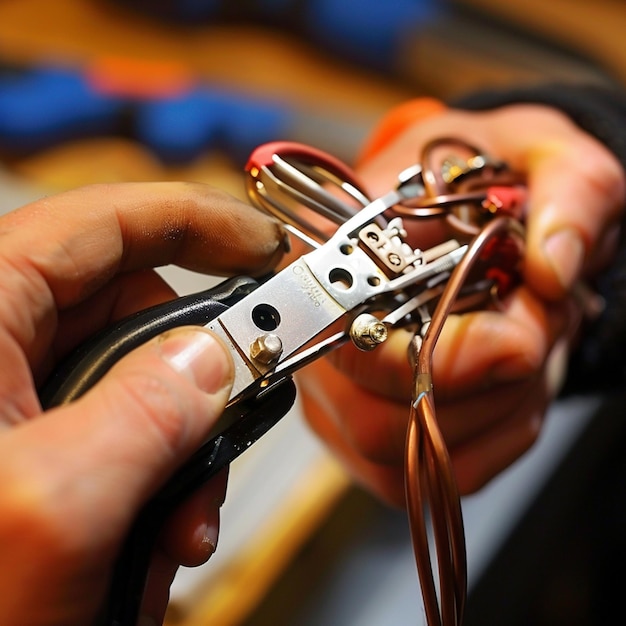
{"type": "Point", "coordinates": [446, 199]}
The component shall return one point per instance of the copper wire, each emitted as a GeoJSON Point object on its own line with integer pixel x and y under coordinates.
{"type": "Point", "coordinates": [429, 479]}
{"type": "Point", "coordinates": [430, 484]}
{"type": "Point", "coordinates": [445, 199]}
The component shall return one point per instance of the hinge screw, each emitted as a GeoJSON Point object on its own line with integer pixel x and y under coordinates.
{"type": "Point", "coordinates": [266, 349]}
{"type": "Point", "coordinates": [367, 332]}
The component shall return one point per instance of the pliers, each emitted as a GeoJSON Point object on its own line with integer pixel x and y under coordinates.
{"type": "Point", "coordinates": [354, 285]}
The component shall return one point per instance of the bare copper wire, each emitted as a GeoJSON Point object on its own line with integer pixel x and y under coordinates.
{"type": "Point", "coordinates": [429, 479]}
{"type": "Point", "coordinates": [443, 198]}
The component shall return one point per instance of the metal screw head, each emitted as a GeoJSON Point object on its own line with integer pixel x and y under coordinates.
{"type": "Point", "coordinates": [394, 259]}
{"type": "Point", "coordinates": [266, 349]}
{"type": "Point", "coordinates": [367, 332]}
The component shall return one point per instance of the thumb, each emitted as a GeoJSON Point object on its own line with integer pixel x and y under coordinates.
{"type": "Point", "coordinates": [577, 195]}
{"type": "Point", "coordinates": [126, 436]}
{"type": "Point", "coordinates": [74, 478]}
{"type": "Point", "coordinates": [157, 406]}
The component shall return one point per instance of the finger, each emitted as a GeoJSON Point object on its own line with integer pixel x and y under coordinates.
{"type": "Point", "coordinates": [478, 460]}
{"type": "Point", "coordinates": [124, 295]}
{"type": "Point", "coordinates": [370, 423]}
{"type": "Point", "coordinates": [479, 456]}
{"type": "Point", "coordinates": [189, 538]}
{"type": "Point", "coordinates": [394, 376]}
{"type": "Point", "coordinates": [475, 350]}
{"type": "Point", "coordinates": [168, 394]}
{"type": "Point", "coordinates": [110, 450]}
{"type": "Point", "coordinates": [480, 373]}
{"type": "Point", "coordinates": [119, 298]}
{"type": "Point", "coordinates": [466, 418]}
{"type": "Point", "coordinates": [469, 418]}
{"type": "Point", "coordinates": [156, 595]}
{"type": "Point", "coordinates": [19, 399]}
{"type": "Point", "coordinates": [190, 535]}
{"type": "Point", "coordinates": [575, 203]}
{"type": "Point", "coordinates": [74, 479]}
{"type": "Point", "coordinates": [322, 412]}
{"type": "Point", "coordinates": [577, 193]}
{"type": "Point", "coordinates": [375, 427]}
{"type": "Point", "coordinates": [480, 448]}
{"type": "Point", "coordinates": [70, 244]}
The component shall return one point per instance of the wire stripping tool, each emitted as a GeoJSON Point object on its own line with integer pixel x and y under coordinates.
{"type": "Point", "coordinates": [361, 279]}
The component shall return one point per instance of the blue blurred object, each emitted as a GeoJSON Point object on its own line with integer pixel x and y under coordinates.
{"type": "Point", "coordinates": [48, 105]}
{"type": "Point", "coordinates": [44, 106]}
{"type": "Point", "coordinates": [179, 129]}
{"type": "Point", "coordinates": [370, 32]}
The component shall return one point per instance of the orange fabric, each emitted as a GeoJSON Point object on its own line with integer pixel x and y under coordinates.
{"type": "Point", "coordinates": [397, 121]}
{"type": "Point", "coordinates": [138, 78]}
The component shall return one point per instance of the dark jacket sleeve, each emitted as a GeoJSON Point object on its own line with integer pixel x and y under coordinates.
{"type": "Point", "coordinates": [599, 361]}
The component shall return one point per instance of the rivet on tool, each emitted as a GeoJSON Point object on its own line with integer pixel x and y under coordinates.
{"type": "Point", "coordinates": [367, 332]}
{"type": "Point", "coordinates": [266, 349]}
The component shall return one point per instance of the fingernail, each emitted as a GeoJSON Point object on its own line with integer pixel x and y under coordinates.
{"type": "Point", "coordinates": [556, 367]}
{"type": "Point", "coordinates": [199, 356]}
{"type": "Point", "coordinates": [565, 253]}
{"type": "Point", "coordinates": [286, 243]}
{"type": "Point", "coordinates": [209, 539]}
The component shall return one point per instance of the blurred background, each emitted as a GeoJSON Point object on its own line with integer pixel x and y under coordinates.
{"type": "Point", "coordinates": [108, 91]}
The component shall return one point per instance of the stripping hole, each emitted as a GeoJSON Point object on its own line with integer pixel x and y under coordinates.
{"type": "Point", "coordinates": [265, 317]}
{"type": "Point", "coordinates": [340, 278]}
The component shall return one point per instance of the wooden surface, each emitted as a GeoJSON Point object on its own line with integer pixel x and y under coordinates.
{"type": "Point", "coordinates": [245, 59]}
{"type": "Point", "coordinates": [594, 28]}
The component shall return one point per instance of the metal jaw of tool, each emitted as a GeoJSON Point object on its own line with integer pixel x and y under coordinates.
{"type": "Point", "coordinates": [365, 266]}
{"type": "Point", "coordinates": [362, 267]}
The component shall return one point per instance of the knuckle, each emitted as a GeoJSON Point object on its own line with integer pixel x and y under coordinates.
{"type": "Point", "coordinates": [604, 174]}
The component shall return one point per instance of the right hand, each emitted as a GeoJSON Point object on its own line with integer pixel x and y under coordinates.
{"type": "Point", "coordinates": [73, 478]}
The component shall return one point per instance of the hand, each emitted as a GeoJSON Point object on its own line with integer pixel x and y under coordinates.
{"type": "Point", "coordinates": [72, 479]}
{"type": "Point", "coordinates": [494, 372]}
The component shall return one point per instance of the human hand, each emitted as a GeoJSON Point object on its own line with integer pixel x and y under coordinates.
{"type": "Point", "coordinates": [495, 372]}
{"type": "Point", "coordinates": [72, 479]}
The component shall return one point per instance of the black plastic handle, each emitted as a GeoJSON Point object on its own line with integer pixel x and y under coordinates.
{"type": "Point", "coordinates": [248, 420]}
{"type": "Point", "coordinates": [93, 359]}
{"type": "Point", "coordinates": [256, 417]}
